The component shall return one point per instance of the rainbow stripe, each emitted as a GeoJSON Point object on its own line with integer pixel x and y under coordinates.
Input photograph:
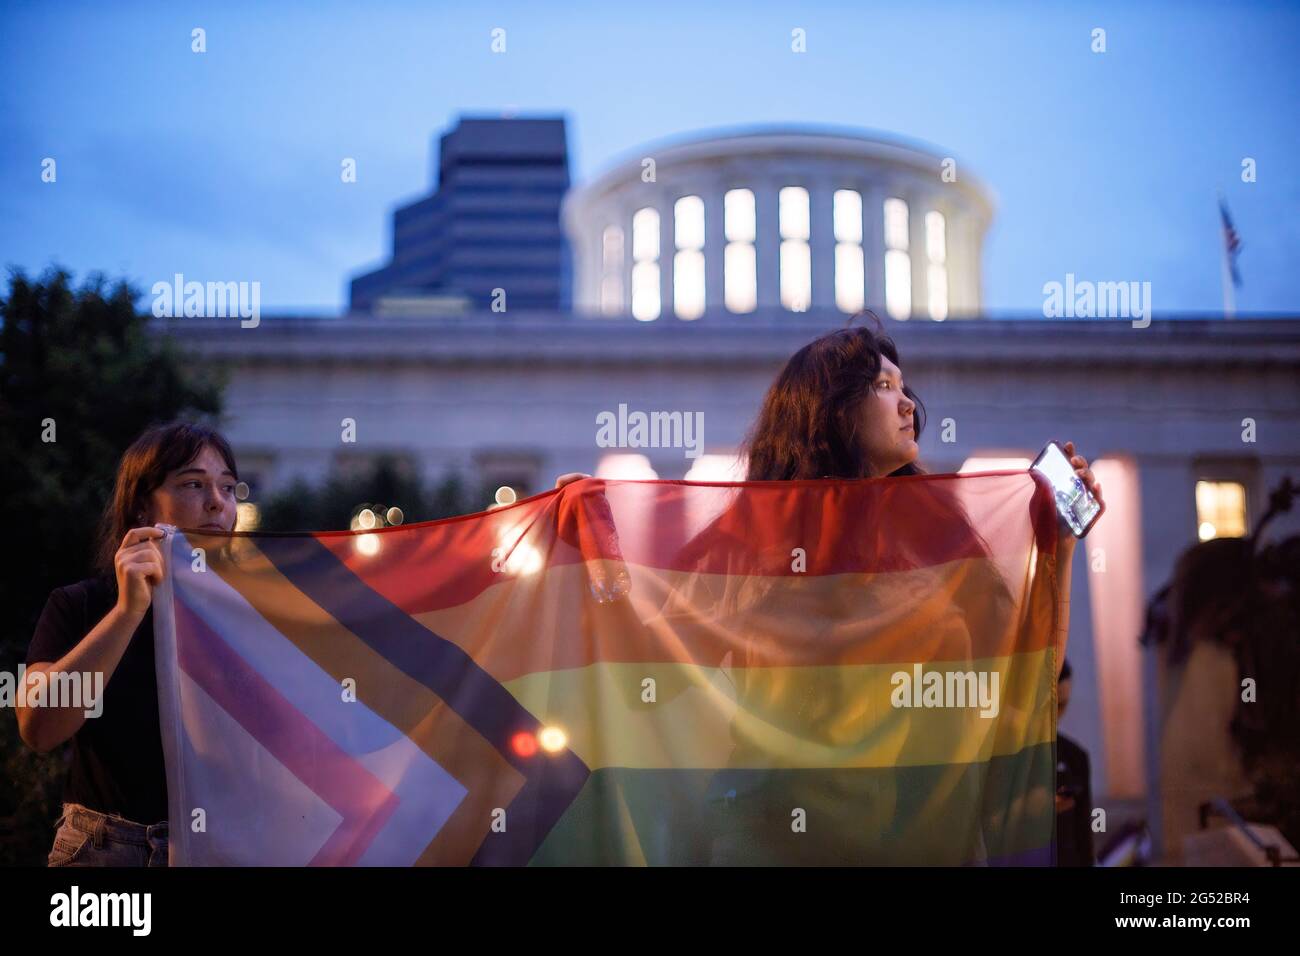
{"type": "Point", "coordinates": [624, 672]}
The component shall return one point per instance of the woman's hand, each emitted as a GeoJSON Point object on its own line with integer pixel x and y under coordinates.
{"type": "Point", "coordinates": [1066, 541]}
{"type": "Point", "coordinates": [1083, 471]}
{"type": "Point", "coordinates": [570, 477]}
{"type": "Point", "coordinates": [139, 566]}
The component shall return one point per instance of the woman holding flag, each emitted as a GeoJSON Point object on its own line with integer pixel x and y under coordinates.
{"type": "Point", "coordinates": [115, 794]}
{"type": "Point", "coordinates": [840, 409]}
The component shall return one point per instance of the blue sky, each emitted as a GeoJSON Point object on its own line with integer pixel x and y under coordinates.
{"type": "Point", "coordinates": [225, 165]}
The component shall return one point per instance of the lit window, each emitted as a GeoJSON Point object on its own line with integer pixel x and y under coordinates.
{"type": "Point", "coordinates": [611, 295]}
{"type": "Point", "coordinates": [688, 222]}
{"type": "Point", "coordinates": [645, 264]}
{"type": "Point", "coordinates": [1220, 509]}
{"type": "Point", "coordinates": [645, 234]}
{"type": "Point", "coordinates": [850, 277]}
{"type": "Point", "coordinates": [718, 468]}
{"type": "Point", "coordinates": [741, 267]}
{"type": "Point", "coordinates": [936, 278]}
{"type": "Point", "coordinates": [895, 224]}
{"type": "Point", "coordinates": [739, 262]}
{"type": "Point", "coordinates": [976, 464]}
{"type": "Point", "coordinates": [688, 262]}
{"type": "Point", "coordinates": [935, 238]}
{"type": "Point", "coordinates": [738, 211]}
{"type": "Point", "coordinates": [612, 246]}
{"type": "Point", "coordinates": [611, 283]}
{"type": "Point", "coordinates": [848, 216]}
{"type": "Point", "coordinates": [627, 466]}
{"type": "Point", "coordinates": [898, 263]}
{"type": "Point", "coordinates": [688, 284]}
{"type": "Point", "coordinates": [936, 250]}
{"type": "Point", "coordinates": [794, 213]}
{"type": "Point", "coordinates": [898, 284]}
{"type": "Point", "coordinates": [850, 282]}
{"type": "Point", "coordinates": [796, 259]}
{"type": "Point", "coordinates": [796, 275]}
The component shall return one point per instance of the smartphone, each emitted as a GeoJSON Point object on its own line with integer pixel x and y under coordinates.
{"type": "Point", "coordinates": [1074, 501]}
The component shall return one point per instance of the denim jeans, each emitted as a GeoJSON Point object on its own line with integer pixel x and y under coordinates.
{"type": "Point", "coordinates": [85, 837]}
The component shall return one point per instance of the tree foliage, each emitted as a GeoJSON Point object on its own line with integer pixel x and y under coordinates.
{"type": "Point", "coordinates": [81, 375]}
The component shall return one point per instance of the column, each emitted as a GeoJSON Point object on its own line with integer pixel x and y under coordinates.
{"type": "Point", "coordinates": [963, 262]}
{"type": "Point", "coordinates": [917, 207]}
{"type": "Point", "coordinates": [957, 222]}
{"type": "Point", "coordinates": [625, 212]}
{"type": "Point", "coordinates": [873, 244]}
{"type": "Point", "coordinates": [590, 265]}
{"type": "Point", "coordinates": [767, 244]}
{"type": "Point", "coordinates": [821, 241]}
{"type": "Point", "coordinates": [973, 250]}
{"type": "Point", "coordinates": [715, 244]}
{"type": "Point", "coordinates": [667, 247]}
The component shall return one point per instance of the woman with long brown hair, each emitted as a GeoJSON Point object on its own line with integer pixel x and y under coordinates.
{"type": "Point", "coordinates": [841, 409]}
{"type": "Point", "coordinates": [115, 794]}
{"type": "Point", "coordinates": [838, 409]}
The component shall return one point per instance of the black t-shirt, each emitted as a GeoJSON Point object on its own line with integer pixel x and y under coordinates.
{"type": "Point", "coordinates": [117, 758]}
{"type": "Point", "coordinates": [1074, 826]}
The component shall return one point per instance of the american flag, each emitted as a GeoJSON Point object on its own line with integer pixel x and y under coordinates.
{"type": "Point", "coordinates": [1231, 242]}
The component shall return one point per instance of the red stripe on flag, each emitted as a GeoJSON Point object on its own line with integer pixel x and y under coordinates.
{"type": "Point", "coordinates": [856, 527]}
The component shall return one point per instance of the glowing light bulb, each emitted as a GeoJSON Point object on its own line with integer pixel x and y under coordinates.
{"type": "Point", "coordinates": [552, 739]}
{"type": "Point", "coordinates": [524, 744]}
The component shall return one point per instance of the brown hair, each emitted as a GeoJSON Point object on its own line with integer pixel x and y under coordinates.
{"type": "Point", "coordinates": [808, 425]}
{"type": "Point", "coordinates": [158, 451]}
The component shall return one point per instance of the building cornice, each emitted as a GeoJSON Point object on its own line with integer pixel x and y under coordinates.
{"type": "Point", "coordinates": [755, 340]}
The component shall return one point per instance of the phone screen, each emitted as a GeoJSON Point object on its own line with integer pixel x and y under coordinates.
{"type": "Point", "coordinates": [1074, 501]}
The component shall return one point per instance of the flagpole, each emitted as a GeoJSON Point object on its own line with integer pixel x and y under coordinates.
{"type": "Point", "coordinates": [1229, 297]}
{"type": "Point", "coordinates": [1229, 300]}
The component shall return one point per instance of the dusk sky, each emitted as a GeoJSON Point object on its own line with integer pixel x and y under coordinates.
{"type": "Point", "coordinates": [225, 165]}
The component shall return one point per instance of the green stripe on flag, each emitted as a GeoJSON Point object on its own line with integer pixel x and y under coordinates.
{"type": "Point", "coordinates": [904, 816]}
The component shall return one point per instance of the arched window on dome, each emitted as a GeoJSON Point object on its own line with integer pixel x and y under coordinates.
{"type": "Point", "coordinates": [611, 271]}
{"type": "Point", "coordinates": [739, 261]}
{"type": "Point", "coordinates": [850, 279]}
{"type": "Point", "coordinates": [645, 264]}
{"type": "Point", "coordinates": [936, 251]}
{"type": "Point", "coordinates": [898, 261]}
{"type": "Point", "coordinates": [688, 260]}
{"type": "Point", "coordinates": [796, 259]}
